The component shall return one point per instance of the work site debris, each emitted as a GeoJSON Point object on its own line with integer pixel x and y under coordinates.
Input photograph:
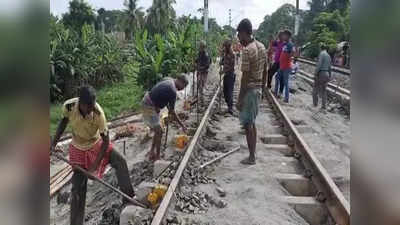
{"type": "Point", "coordinates": [63, 197]}
{"type": "Point", "coordinates": [221, 192]}
{"type": "Point", "coordinates": [135, 215]}
{"type": "Point", "coordinates": [111, 215]}
{"type": "Point", "coordinates": [193, 203]}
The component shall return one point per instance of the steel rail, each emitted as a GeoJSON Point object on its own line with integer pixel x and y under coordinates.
{"type": "Point", "coordinates": [344, 71]}
{"type": "Point", "coordinates": [333, 198]}
{"type": "Point", "coordinates": [162, 209]}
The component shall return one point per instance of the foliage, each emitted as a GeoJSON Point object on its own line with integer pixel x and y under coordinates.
{"type": "Point", "coordinates": [116, 98]}
{"type": "Point", "coordinates": [86, 58]}
{"type": "Point", "coordinates": [160, 17]}
{"type": "Point", "coordinates": [329, 28]}
{"type": "Point", "coordinates": [132, 19]}
{"type": "Point", "coordinates": [282, 18]}
{"type": "Point", "coordinates": [111, 20]}
{"type": "Point", "coordinates": [80, 13]}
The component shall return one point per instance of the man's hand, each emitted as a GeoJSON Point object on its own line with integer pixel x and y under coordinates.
{"type": "Point", "coordinates": [93, 168]}
{"type": "Point", "coordinates": [221, 72]}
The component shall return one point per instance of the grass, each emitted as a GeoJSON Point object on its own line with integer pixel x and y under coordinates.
{"type": "Point", "coordinates": [115, 99]}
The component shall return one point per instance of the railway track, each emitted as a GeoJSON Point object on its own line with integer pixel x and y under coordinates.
{"type": "Point", "coordinates": [341, 70]}
{"type": "Point", "coordinates": [289, 182]}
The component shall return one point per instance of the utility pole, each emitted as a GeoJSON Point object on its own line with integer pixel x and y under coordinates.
{"type": "Point", "coordinates": [205, 16]}
{"type": "Point", "coordinates": [297, 19]}
{"type": "Point", "coordinates": [230, 22]}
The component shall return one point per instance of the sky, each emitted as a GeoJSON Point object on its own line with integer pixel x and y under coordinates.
{"type": "Point", "coordinates": [255, 10]}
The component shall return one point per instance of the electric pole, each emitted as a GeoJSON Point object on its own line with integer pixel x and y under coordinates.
{"type": "Point", "coordinates": [205, 16]}
{"type": "Point", "coordinates": [297, 19]}
{"type": "Point", "coordinates": [230, 22]}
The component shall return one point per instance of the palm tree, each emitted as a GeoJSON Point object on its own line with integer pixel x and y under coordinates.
{"type": "Point", "coordinates": [133, 18]}
{"type": "Point", "coordinates": [160, 16]}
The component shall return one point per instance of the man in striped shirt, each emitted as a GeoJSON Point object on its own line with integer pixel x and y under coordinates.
{"type": "Point", "coordinates": [254, 75]}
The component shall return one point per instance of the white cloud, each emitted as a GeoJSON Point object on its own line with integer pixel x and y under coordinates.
{"type": "Point", "coordinates": [255, 10]}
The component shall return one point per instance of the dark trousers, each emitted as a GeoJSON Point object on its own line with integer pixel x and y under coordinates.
{"type": "Point", "coordinates": [229, 83]}
{"type": "Point", "coordinates": [321, 80]}
{"type": "Point", "coordinates": [271, 72]}
{"type": "Point", "coordinates": [79, 187]}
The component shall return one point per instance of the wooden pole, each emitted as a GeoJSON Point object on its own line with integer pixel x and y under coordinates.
{"type": "Point", "coordinates": [133, 201]}
{"type": "Point", "coordinates": [219, 158]}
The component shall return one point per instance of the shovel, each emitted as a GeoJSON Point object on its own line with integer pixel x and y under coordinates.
{"type": "Point", "coordinates": [133, 201]}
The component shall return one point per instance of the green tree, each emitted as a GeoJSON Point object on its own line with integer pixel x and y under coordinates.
{"type": "Point", "coordinates": [132, 19]}
{"type": "Point", "coordinates": [111, 20]}
{"type": "Point", "coordinates": [282, 18]}
{"type": "Point", "coordinates": [329, 28]}
{"type": "Point", "coordinates": [79, 14]}
{"type": "Point", "coordinates": [161, 16]}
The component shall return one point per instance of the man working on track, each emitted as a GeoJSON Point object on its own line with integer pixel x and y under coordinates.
{"type": "Point", "coordinates": [203, 62]}
{"type": "Point", "coordinates": [254, 75]}
{"type": "Point", "coordinates": [162, 94]}
{"type": "Point", "coordinates": [90, 148]}
{"type": "Point", "coordinates": [322, 76]}
{"type": "Point", "coordinates": [229, 71]}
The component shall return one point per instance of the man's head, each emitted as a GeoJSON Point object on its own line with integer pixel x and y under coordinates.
{"type": "Point", "coordinates": [286, 35]}
{"type": "Point", "coordinates": [245, 29]}
{"type": "Point", "coordinates": [280, 35]}
{"type": "Point", "coordinates": [181, 82]}
{"type": "Point", "coordinates": [227, 45]}
{"type": "Point", "coordinates": [202, 46]}
{"type": "Point", "coordinates": [87, 99]}
{"type": "Point", "coordinates": [324, 47]}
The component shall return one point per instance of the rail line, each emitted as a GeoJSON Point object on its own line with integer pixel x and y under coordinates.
{"type": "Point", "coordinates": [341, 70]}
{"type": "Point", "coordinates": [323, 201]}
{"type": "Point", "coordinates": [333, 89]}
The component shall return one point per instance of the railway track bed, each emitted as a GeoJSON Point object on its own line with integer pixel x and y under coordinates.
{"type": "Point", "coordinates": [274, 191]}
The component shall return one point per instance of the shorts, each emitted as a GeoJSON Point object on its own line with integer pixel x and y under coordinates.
{"type": "Point", "coordinates": [150, 117]}
{"type": "Point", "coordinates": [249, 110]}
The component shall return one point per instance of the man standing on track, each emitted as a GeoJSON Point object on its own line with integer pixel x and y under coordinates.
{"type": "Point", "coordinates": [322, 76]}
{"type": "Point", "coordinates": [285, 66]}
{"type": "Point", "coordinates": [229, 77]}
{"type": "Point", "coordinates": [203, 62]}
{"type": "Point", "coordinates": [277, 46]}
{"type": "Point", "coordinates": [161, 95]}
{"type": "Point", "coordinates": [90, 148]}
{"type": "Point", "coordinates": [254, 75]}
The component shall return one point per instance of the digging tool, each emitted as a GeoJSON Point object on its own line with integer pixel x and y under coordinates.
{"type": "Point", "coordinates": [133, 201]}
{"type": "Point", "coordinates": [219, 158]}
{"type": "Point", "coordinates": [220, 93]}
{"type": "Point", "coordinates": [166, 133]}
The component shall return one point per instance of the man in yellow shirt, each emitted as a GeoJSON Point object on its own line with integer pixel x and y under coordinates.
{"type": "Point", "coordinates": [90, 148]}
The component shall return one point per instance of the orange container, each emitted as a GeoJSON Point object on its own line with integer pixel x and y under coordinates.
{"type": "Point", "coordinates": [181, 141]}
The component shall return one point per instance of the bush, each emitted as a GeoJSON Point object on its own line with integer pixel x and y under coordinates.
{"type": "Point", "coordinates": [76, 59]}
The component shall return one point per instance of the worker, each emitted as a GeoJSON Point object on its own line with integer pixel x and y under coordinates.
{"type": "Point", "coordinates": [229, 77]}
{"type": "Point", "coordinates": [322, 76]}
{"type": "Point", "coordinates": [285, 66]}
{"type": "Point", "coordinates": [163, 94]}
{"type": "Point", "coordinates": [295, 68]}
{"type": "Point", "coordinates": [277, 46]}
{"type": "Point", "coordinates": [90, 148]}
{"type": "Point", "coordinates": [254, 75]}
{"type": "Point", "coordinates": [203, 62]}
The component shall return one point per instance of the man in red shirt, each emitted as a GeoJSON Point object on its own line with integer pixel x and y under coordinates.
{"type": "Point", "coordinates": [285, 62]}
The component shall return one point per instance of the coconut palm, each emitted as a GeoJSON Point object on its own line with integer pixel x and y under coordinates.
{"type": "Point", "coordinates": [160, 16]}
{"type": "Point", "coordinates": [133, 18]}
